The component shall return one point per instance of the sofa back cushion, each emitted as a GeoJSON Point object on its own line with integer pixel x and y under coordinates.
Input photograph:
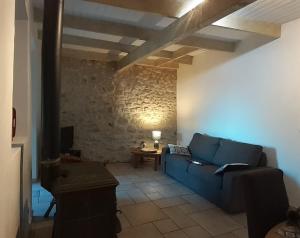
{"type": "Point", "coordinates": [237, 152]}
{"type": "Point", "coordinates": [203, 147]}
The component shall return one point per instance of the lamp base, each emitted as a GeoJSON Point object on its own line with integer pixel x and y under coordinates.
{"type": "Point", "coordinates": [156, 145]}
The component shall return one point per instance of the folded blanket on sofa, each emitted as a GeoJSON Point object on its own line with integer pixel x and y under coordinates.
{"type": "Point", "coordinates": [231, 167]}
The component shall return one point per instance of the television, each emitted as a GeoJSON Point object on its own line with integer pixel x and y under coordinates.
{"type": "Point", "coordinates": [66, 139]}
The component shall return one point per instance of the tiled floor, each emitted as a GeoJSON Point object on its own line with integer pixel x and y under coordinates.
{"type": "Point", "coordinates": [156, 206]}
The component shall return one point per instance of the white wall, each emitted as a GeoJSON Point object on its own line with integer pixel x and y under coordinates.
{"type": "Point", "coordinates": [252, 97]}
{"type": "Point", "coordinates": [22, 99]}
{"type": "Point", "coordinates": [28, 63]}
{"type": "Point", "coordinates": [11, 212]}
{"type": "Point", "coordinates": [22, 79]}
{"type": "Point", "coordinates": [36, 104]}
{"type": "Point", "coordinates": [9, 163]}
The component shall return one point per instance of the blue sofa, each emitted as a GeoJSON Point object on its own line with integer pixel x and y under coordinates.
{"type": "Point", "coordinates": [225, 190]}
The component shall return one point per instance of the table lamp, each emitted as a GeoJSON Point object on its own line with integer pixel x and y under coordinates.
{"type": "Point", "coordinates": [156, 135]}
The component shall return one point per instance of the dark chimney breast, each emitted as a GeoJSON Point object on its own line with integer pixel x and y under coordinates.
{"type": "Point", "coordinates": [85, 193]}
{"type": "Point", "coordinates": [51, 63]}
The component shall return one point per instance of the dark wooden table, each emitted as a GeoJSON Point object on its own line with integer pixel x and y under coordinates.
{"type": "Point", "coordinates": [138, 156]}
{"type": "Point", "coordinates": [85, 201]}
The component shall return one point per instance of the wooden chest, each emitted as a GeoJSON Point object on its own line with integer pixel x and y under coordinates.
{"type": "Point", "coordinates": [85, 202]}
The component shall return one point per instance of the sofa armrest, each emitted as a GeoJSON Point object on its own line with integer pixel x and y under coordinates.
{"type": "Point", "coordinates": [232, 189]}
{"type": "Point", "coordinates": [165, 151]}
{"type": "Point", "coordinates": [229, 178]}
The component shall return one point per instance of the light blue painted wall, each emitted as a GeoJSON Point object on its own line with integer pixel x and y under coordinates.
{"type": "Point", "coordinates": [252, 97]}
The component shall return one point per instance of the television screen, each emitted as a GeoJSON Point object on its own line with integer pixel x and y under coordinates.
{"type": "Point", "coordinates": [66, 139]}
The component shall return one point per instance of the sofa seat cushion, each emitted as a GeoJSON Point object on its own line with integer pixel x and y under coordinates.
{"type": "Point", "coordinates": [203, 147]}
{"type": "Point", "coordinates": [176, 166]}
{"type": "Point", "coordinates": [205, 174]}
{"type": "Point", "coordinates": [237, 152]}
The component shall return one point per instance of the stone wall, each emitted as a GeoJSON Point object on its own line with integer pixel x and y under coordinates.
{"type": "Point", "coordinates": [111, 111]}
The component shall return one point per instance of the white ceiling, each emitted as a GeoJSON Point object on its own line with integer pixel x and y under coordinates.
{"type": "Point", "coordinates": [275, 11]}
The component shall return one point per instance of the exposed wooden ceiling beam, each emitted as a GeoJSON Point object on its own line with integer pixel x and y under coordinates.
{"type": "Point", "coordinates": [157, 62]}
{"type": "Point", "coordinates": [94, 43]}
{"type": "Point", "coordinates": [149, 62]}
{"type": "Point", "coordinates": [178, 55]}
{"type": "Point", "coordinates": [102, 26]}
{"type": "Point", "coordinates": [262, 28]}
{"type": "Point", "coordinates": [203, 15]}
{"type": "Point", "coordinates": [183, 51]}
{"type": "Point", "coordinates": [153, 63]}
{"type": "Point", "coordinates": [170, 65]}
{"type": "Point", "coordinates": [186, 59]}
{"type": "Point", "coordinates": [194, 41]}
{"type": "Point", "coordinates": [169, 8]}
{"type": "Point", "coordinates": [102, 44]}
{"type": "Point", "coordinates": [71, 48]}
{"type": "Point", "coordinates": [81, 54]}
{"type": "Point", "coordinates": [164, 54]}
{"type": "Point", "coordinates": [209, 44]}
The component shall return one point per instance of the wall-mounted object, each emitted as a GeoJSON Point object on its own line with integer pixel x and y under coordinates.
{"type": "Point", "coordinates": [14, 122]}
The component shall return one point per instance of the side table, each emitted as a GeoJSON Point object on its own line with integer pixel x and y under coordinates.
{"type": "Point", "coordinates": [274, 232]}
{"type": "Point", "coordinates": [138, 155]}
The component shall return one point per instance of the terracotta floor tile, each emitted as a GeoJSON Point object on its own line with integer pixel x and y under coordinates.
{"type": "Point", "coordinates": [169, 202]}
{"type": "Point", "coordinates": [165, 226]}
{"type": "Point", "coordinates": [181, 219]}
{"type": "Point", "coordinates": [215, 222]}
{"type": "Point", "coordinates": [143, 213]}
{"type": "Point", "coordinates": [142, 231]}
{"type": "Point", "coordinates": [196, 232]}
{"type": "Point", "coordinates": [176, 234]}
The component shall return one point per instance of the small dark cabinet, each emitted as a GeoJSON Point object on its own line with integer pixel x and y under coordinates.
{"type": "Point", "coordinates": [85, 202]}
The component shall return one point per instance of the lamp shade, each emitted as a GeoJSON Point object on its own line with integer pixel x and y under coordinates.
{"type": "Point", "coordinates": [156, 135]}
